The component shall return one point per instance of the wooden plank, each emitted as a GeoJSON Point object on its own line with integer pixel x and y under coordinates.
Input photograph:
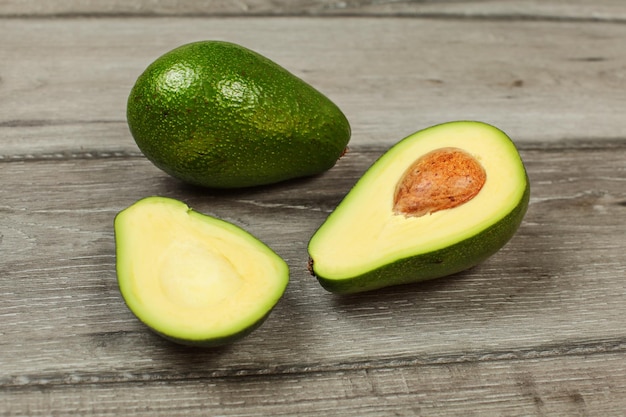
{"type": "Point", "coordinates": [536, 330]}
{"type": "Point", "coordinates": [552, 9]}
{"type": "Point", "coordinates": [535, 80]}
{"type": "Point", "coordinates": [572, 385]}
{"type": "Point", "coordinates": [558, 283]}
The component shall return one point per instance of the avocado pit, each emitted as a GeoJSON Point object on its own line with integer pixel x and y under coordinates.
{"type": "Point", "coordinates": [439, 180]}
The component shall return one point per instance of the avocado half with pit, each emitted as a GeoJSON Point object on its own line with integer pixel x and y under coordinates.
{"type": "Point", "coordinates": [438, 202]}
{"type": "Point", "coordinates": [192, 278]}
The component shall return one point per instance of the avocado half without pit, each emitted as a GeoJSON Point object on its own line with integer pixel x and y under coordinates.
{"type": "Point", "coordinates": [438, 202]}
{"type": "Point", "coordinates": [192, 278]}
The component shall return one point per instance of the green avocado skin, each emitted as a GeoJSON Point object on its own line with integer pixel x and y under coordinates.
{"type": "Point", "coordinates": [214, 342]}
{"type": "Point", "coordinates": [216, 114]}
{"type": "Point", "coordinates": [440, 263]}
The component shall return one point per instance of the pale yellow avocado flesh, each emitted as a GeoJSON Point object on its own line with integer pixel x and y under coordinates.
{"type": "Point", "coordinates": [193, 277]}
{"type": "Point", "coordinates": [363, 233]}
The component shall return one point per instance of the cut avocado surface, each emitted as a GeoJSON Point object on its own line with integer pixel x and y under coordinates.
{"type": "Point", "coordinates": [219, 115]}
{"type": "Point", "coordinates": [438, 202]}
{"type": "Point", "coordinates": [193, 278]}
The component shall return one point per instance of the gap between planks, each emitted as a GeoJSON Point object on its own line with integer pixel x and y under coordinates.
{"type": "Point", "coordinates": [571, 144]}
{"type": "Point", "coordinates": [583, 348]}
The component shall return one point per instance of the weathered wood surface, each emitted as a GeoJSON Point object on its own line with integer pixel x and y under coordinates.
{"type": "Point", "coordinates": [531, 329]}
{"type": "Point", "coordinates": [613, 10]}
{"type": "Point", "coordinates": [538, 329]}
{"type": "Point", "coordinates": [65, 85]}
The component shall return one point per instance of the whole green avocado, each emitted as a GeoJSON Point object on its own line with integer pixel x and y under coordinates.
{"type": "Point", "coordinates": [216, 114]}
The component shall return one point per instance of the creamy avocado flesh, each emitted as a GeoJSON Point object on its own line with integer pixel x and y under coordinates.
{"type": "Point", "coordinates": [194, 278]}
{"type": "Point", "coordinates": [367, 243]}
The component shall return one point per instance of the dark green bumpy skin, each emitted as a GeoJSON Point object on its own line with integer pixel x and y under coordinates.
{"type": "Point", "coordinates": [216, 114]}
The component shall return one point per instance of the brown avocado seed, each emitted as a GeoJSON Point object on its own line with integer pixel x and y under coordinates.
{"type": "Point", "coordinates": [441, 179]}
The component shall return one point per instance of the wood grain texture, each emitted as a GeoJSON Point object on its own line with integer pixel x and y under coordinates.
{"type": "Point", "coordinates": [64, 87]}
{"type": "Point", "coordinates": [612, 10]}
{"type": "Point", "coordinates": [536, 330]}
{"type": "Point", "coordinates": [554, 293]}
{"type": "Point", "coordinates": [571, 385]}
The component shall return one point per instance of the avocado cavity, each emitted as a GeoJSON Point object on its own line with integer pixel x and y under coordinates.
{"type": "Point", "coordinates": [192, 278]}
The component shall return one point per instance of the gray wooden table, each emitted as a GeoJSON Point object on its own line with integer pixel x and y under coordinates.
{"type": "Point", "coordinates": [538, 329]}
